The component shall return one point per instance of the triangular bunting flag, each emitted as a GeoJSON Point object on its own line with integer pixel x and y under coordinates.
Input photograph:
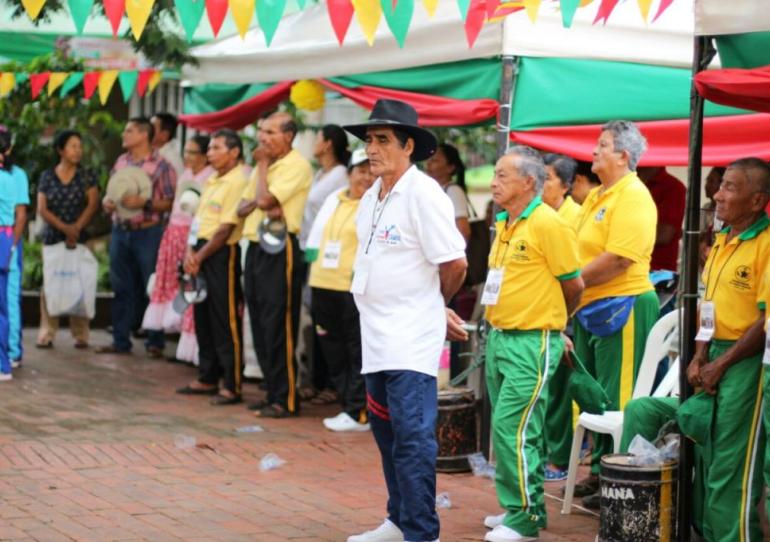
{"type": "Point", "coordinates": [477, 13]}
{"type": "Point", "coordinates": [216, 10]}
{"type": "Point", "coordinates": [340, 13]}
{"type": "Point", "coordinates": [242, 11]}
{"type": "Point", "coordinates": [37, 81]}
{"type": "Point", "coordinates": [106, 82]}
{"type": "Point", "coordinates": [80, 10]}
{"type": "Point", "coordinates": [661, 8]}
{"type": "Point", "coordinates": [605, 10]}
{"type": "Point", "coordinates": [90, 82]}
{"type": "Point", "coordinates": [7, 82]}
{"type": "Point", "coordinates": [463, 6]}
{"type": "Point", "coordinates": [127, 81]}
{"type": "Point", "coordinates": [154, 80]}
{"type": "Point", "coordinates": [55, 81]}
{"type": "Point", "coordinates": [142, 81]}
{"type": "Point", "coordinates": [269, 13]}
{"type": "Point", "coordinates": [568, 9]}
{"type": "Point", "coordinates": [491, 7]}
{"type": "Point", "coordinates": [74, 79]}
{"type": "Point", "coordinates": [399, 18]}
{"type": "Point", "coordinates": [368, 15]}
{"type": "Point", "coordinates": [138, 11]}
{"type": "Point", "coordinates": [33, 7]}
{"type": "Point", "coordinates": [114, 10]}
{"type": "Point", "coordinates": [190, 13]}
{"type": "Point", "coordinates": [21, 77]}
{"type": "Point", "coordinates": [531, 6]}
{"type": "Point", "coordinates": [430, 6]}
{"type": "Point", "coordinates": [301, 4]}
{"type": "Point", "coordinates": [644, 8]}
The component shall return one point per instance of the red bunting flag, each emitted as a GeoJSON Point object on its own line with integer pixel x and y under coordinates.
{"type": "Point", "coordinates": [37, 81]}
{"type": "Point", "coordinates": [114, 10]}
{"type": "Point", "coordinates": [142, 81]}
{"type": "Point", "coordinates": [340, 13]}
{"type": "Point", "coordinates": [605, 10]}
{"type": "Point", "coordinates": [663, 7]}
{"type": "Point", "coordinates": [477, 14]}
{"type": "Point", "coordinates": [90, 82]}
{"type": "Point", "coordinates": [492, 7]}
{"type": "Point", "coordinates": [216, 11]}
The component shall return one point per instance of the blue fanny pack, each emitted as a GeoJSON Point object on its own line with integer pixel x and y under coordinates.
{"type": "Point", "coordinates": [606, 316]}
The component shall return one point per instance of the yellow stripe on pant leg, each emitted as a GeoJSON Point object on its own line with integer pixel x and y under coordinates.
{"type": "Point", "coordinates": [749, 464]}
{"type": "Point", "coordinates": [232, 308]}
{"type": "Point", "coordinates": [664, 505]}
{"type": "Point", "coordinates": [627, 362]}
{"type": "Point", "coordinates": [289, 336]}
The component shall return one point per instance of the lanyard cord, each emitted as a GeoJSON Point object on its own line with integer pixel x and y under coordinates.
{"type": "Point", "coordinates": [498, 262]}
{"type": "Point", "coordinates": [332, 237]}
{"type": "Point", "coordinates": [706, 297]}
{"type": "Point", "coordinates": [376, 222]}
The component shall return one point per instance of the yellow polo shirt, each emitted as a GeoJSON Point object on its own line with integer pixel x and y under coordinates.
{"type": "Point", "coordinates": [340, 227]}
{"type": "Point", "coordinates": [734, 277]}
{"type": "Point", "coordinates": [569, 211]}
{"type": "Point", "coordinates": [621, 220]}
{"type": "Point", "coordinates": [537, 251]}
{"type": "Point", "coordinates": [219, 204]}
{"type": "Point", "coordinates": [288, 180]}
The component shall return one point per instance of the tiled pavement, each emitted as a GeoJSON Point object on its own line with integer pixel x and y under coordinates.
{"type": "Point", "coordinates": [87, 452]}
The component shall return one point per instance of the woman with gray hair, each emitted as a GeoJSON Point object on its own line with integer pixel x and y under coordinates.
{"type": "Point", "coordinates": [616, 235]}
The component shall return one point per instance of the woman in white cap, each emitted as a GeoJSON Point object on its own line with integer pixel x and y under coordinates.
{"type": "Point", "coordinates": [160, 314]}
{"type": "Point", "coordinates": [331, 247]}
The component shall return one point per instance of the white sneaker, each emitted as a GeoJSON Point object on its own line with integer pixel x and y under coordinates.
{"type": "Point", "coordinates": [501, 533]}
{"type": "Point", "coordinates": [5, 377]}
{"type": "Point", "coordinates": [490, 522]}
{"type": "Point", "coordinates": [387, 532]}
{"type": "Point", "coordinates": [15, 364]}
{"type": "Point", "coordinates": [343, 422]}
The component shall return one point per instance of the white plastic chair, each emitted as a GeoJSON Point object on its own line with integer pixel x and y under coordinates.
{"type": "Point", "coordinates": [659, 344]}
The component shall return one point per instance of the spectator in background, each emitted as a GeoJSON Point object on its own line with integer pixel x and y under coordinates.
{"type": "Point", "coordinates": [669, 195]}
{"type": "Point", "coordinates": [160, 314]}
{"type": "Point", "coordinates": [585, 181]}
{"type": "Point", "coordinates": [710, 224]}
{"type": "Point", "coordinates": [165, 142]}
{"type": "Point", "coordinates": [134, 242]}
{"type": "Point", "coordinates": [67, 199]}
{"type": "Point", "coordinates": [14, 198]}
{"type": "Point", "coordinates": [560, 174]}
{"type": "Point", "coordinates": [448, 169]}
{"type": "Point", "coordinates": [331, 152]}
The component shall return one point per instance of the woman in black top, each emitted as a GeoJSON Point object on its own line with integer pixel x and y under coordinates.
{"type": "Point", "coordinates": [67, 199]}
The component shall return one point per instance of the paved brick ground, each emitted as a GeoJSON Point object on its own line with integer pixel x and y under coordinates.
{"type": "Point", "coordinates": [87, 452]}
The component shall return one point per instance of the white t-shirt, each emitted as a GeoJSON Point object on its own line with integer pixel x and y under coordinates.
{"type": "Point", "coordinates": [323, 185]}
{"type": "Point", "coordinates": [170, 152]}
{"type": "Point", "coordinates": [408, 234]}
{"type": "Point", "coordinates": [459, 200]}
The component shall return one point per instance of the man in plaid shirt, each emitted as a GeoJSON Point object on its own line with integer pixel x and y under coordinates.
{"type": "Point", "coordinates": [134, 242]}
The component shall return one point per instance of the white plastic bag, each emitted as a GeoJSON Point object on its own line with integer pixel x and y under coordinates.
{"type": "Point", "coordinates": [69, 279]}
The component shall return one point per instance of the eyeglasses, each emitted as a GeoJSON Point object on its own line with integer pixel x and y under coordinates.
{"type": "Point", "coordinates": [187, 151]}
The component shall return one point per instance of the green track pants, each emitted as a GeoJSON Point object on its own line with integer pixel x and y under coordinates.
{"type": "Point", "coordinates": [614, 360]}
{"type": "Point", "coordinates": [519, 365]}
{"type": "Point", "coordinates": [559, 422]}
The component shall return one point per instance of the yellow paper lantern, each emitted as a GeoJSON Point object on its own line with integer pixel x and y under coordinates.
{"type": "Point", "coordinates": [308, 94]}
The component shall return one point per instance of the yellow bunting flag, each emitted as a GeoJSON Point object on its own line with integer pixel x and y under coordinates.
{"type": "Point", "coordinates": [242, 12]}
{"type": "Point", "coordinates": [154, 80]}
{"type": "Point", "coordinates": [106, 81]}
{"type": "Point", "coordinates": [368, 15]}
{"type": "Point", "coordinates": [56, 80]}
{"type": "Point", "coordinates": [33, 7]}
{"type": "Point", "coordinates": [531, 6]}
{"type": "Point", "coordinates": [644, 8]}
{"type": "Point", "coordinates": [430, 6]}
{"type": "Point", "coordinates": [138, 11]}
{"type": "Point", "coordinates": [7, 82]}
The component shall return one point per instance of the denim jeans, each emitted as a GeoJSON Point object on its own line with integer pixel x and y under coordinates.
{"type": "Point", "coordinates": [402, 412]}
{"type": "Point", "coordinates": [132, 260]}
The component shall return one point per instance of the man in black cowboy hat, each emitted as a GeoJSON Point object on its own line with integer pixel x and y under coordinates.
{"type": "Point", "coordinates": [410, 262]}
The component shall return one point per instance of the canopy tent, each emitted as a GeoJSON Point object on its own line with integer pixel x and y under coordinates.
{"type": "Point", "coordinates": [625, 69]}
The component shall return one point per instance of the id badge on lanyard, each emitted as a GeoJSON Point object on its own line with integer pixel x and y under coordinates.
{"type": "Point", "coordinates": [707, 321]}
{"type": "Point", "coordinates": [492, 286]}
{"type": "Point", "coordinates": [192, 237]}
{"type": "Point", "coordinates": [331, 255]}
{"type": "Point", "coordinates": [361, 274]}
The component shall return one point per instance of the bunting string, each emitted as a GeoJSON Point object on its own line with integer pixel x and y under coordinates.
{"type": "Point", "coordinates": [101, 82]}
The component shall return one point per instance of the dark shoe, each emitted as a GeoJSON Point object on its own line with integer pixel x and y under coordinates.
{"type": "Point", "coordinates": [44, 345]}
{"type": "Point", "coordinates": [221, 400]}
{"type": "Point", "coordinates": [258, 405]}
{"type": "Point", "coordinates": [140, 334]}
{"type": "Point", "coordinates": [587, 486]}
{"type": "Point", "coordinates": [274, 411]}
{"type": "Point", "coordinates": [592, 502]}
{"type": "Point", "coordinates": [80, 345]}
{"type": "Point", "coordinates": [110, 349]}
{"type": "Point", "coordinates": [189, 390]}
{"type": "Point", "coordinates": [325, 397]}
{"type": "Point", "coordinates": [154, 352]}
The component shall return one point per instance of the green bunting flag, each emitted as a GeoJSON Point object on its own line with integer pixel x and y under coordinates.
{"type": "Point", "coordinates": [463, 7]}
{"type": "Point", "coordinates": [269, 13]}
{"type": "Point", "coordinates": [72, 81]}
{"type": "Point", "coordinates": [398, 17]}
{"type": "Point", "coordinates": [190, 14]}
{"type": "Point", "coordinates": [127, 81]}
{"type": "Point", "coordinates": [80, 10]}
{"type": "Point", "coordinates": [568, 9]}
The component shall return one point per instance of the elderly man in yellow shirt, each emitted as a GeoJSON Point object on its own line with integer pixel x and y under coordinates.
{"type": "Point", "coordinates": [277, 190]}
{"type": "Point", "coordinates": [213, 253]}
{"type": "Point", "coordinates": [532, 286]}
{"type": "Point", "coordinates": [616, 234]}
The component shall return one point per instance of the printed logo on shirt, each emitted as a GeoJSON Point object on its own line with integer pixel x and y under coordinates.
{"type": "Point", "coordinates": [742, 278]}
{"type": "Point", "coordinates": [600, 215]}
{"type": "Point", "coordinates": [520, 250]}
{"type": "Point", "coordinates": [389, 235]}
{"type": "Point", "coordinates": [215, 206]}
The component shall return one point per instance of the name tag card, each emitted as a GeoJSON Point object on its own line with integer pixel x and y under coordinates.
{"type": "Point", "coordinates": [192, 237]}
{"type": "Point", "coordinates": [707, 321]}
{"type": "Point", "coordinates": [331, 255]}
{"type": "Point", "coordinates": [361, 274]}
{"type": "Point", "coordinates": [492, 287]}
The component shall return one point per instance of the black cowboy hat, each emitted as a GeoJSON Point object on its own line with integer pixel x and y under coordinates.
{"type": "Point", "coordinates": [401, 115]}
